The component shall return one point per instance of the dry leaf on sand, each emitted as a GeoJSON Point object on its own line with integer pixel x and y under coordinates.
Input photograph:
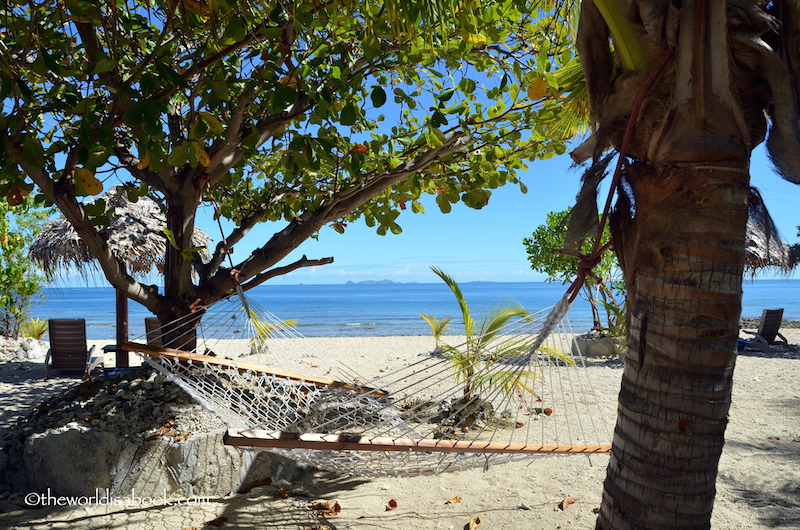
{"type": "Point", "coordinates": [326, 508]}
{"type": "Point", "coordinates": [473, 523]}
{"type": "Point", "coordinates": [391, 505]}
{"type": "Point", "coordinates": [567, 501]}
{"type": "Point", "coordinates": [454, 500]}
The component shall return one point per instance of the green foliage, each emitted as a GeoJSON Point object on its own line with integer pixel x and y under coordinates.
{"type": "Point", "coordinates": [34, 328]}
{"type": "Point", "coordinates": [309, 114]}
{"type": "Point", "coordinates": [472, 364]}
{"type": "Point", "coordinates": [19, 279]}
{"type": "Point", "coordinates": [438, 327]}
{"type": "Point", "coordinates": [610, 292]}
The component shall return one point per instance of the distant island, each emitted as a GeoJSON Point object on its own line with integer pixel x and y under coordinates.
{"type": "Point", "coordinates": [376, 282]}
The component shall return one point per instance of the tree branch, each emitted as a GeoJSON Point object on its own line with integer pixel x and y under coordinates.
{"type": "Point", "coordinates": [306, 225]}
{"type": "Point", "coordinates": [206, 270]}
{"type": "Point", "coordinates": [302, 262]}
{"type": "Point", "coordinates": [62, 194]}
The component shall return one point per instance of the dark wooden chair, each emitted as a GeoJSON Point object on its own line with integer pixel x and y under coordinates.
{"type": "Point", "coordinates": [153, 328]}
{"type": "Point", "coordinates": [68, 349]}
{"type": "Point", "coordinates": [767, 333]}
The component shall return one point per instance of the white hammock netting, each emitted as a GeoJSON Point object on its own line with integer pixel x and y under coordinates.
{"type": "Point", "coordinates": [516, 392]}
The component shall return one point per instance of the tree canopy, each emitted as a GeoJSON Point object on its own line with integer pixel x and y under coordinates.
{"type": "Point", "coordinates": [20, 280]}
{"type": "Point", "coordinates": [307, 113]}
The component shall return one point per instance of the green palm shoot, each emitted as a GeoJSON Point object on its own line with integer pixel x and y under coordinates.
{"type": "Point", "coordinates": [438, 327]}
{"type": "Point", "coordinates": [472, 364]}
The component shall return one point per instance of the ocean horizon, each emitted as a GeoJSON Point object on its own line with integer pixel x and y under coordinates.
{"type": "Point", "coordinates": [377, 308]}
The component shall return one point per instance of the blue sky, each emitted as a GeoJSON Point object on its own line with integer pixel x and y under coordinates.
{"type": "Point", "coordinates": [474, 245]}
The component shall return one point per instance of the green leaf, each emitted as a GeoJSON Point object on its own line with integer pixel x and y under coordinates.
{"type": "Point", "coordinates": [444, 204]}
{"type": "Point", "coordinates": [33, 152]}
{"type": "Point", "coordinates": [235, 31]}
{"type": "Point", "coordinates": [179, 155]}
{"type": "Point", "coordinates": [446, 95]}
{"type": "Point", "coordinates": [349, 115]}
{"type": "Point", "coordinates": [106, 64]}
{"type": "Point", "coordinates": [378, 97]}
{"type": "Point", "coordinates": [171, 238]}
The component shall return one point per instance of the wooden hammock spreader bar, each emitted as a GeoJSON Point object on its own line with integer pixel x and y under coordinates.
{"type": "Point", "coordinates": [157, 351]}
{"type": "Point", "coordinates": [335, 442]}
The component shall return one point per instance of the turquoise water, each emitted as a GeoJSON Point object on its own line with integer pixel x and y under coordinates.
{"type": "Point", "coordinates": [379, 309]}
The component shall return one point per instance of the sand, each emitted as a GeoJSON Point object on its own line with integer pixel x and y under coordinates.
{"type": "Point", "coordinates": [758, 485]}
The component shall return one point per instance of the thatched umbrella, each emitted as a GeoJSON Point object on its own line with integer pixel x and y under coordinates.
{"type": "Point", "coordinates": [764, 248]}
{"type": "Point", "coordinates": [135, 234]}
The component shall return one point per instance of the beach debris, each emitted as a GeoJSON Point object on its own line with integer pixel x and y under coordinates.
{"type": "Point", "coordinates": [247, 488]}
{"type": "Point", "coordinates": [319, 527]}
{"type": "Point", "coordinates": [567, 501]}
{"type": "Point", "coordinates": [454, 500]}
{"type": "Point", "coordinates": [326, 508]}
{"type": "Point", "coordinates": [219, 521]}
{"type": "Point", "coordinates": [473, 523]}
{"type": "Point", "coordinates": [164, 430]}
{"type": "Point", "coordinates": [524, 506]}
{"type": "Point", "coordinates": [282, 492]}
{"type": "Point", "coordinates": [391, 505]}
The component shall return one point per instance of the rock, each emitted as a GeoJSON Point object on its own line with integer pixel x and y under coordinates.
{"type": "Point", "coordinates": [121, 437]}
{"type": "Point", "coordinates": [598, 346]}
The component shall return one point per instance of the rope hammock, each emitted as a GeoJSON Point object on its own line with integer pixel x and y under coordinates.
{"type": "Point", "coordinates": [516, 392]}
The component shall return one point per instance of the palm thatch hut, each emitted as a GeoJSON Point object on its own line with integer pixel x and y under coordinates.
{"type": "Point", "coordinates": [764, 247]}
{"type": "Point", "coordinates": [135, 232]}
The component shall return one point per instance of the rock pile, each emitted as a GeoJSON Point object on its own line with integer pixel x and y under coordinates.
{"type": "Point", "coordinates": [23, 349]}
{"type": "Point", "coordinates": [137, 431]}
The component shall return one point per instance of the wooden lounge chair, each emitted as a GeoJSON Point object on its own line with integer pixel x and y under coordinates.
{"type": "Point", "coordinates": [68, 350]}
{"type": "Point", "coordinates": [767, 333]}
{"type": "Point", "coordinates": [153, 327]}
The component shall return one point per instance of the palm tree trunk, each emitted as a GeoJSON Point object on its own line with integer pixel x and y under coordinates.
{"type": "Point", "coordinates": [685, 304]}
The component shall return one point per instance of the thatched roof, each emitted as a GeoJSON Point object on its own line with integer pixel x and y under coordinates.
{"type": "Point", "coordinates": [135, 235]}
{"type": "Point", "coordinates": [764, 247]}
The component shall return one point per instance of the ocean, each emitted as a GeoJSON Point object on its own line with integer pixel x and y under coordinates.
{"type": "Point", "coordinates": [378, 309]}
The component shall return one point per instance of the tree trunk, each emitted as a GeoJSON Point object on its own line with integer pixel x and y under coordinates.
{"type": "Point", "coordinates": [679, 232]}
{"type": "Point", "coordinates": [685, 304]}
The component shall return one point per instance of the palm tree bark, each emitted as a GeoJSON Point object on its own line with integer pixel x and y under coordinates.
{"type": "Point", "coordinates": [680, 233]}
{"type": "Point", "coordinates": [676, 386]}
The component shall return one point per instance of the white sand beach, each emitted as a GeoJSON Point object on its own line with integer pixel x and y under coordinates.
{"type": "Point", "coordinates": [758, 484]}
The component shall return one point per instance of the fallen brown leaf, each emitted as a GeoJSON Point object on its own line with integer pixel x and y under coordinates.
{"type": "Point", "coordinates": [547, 411]}
{"type": "Point", "coordinates": [773, 437]}
{"type": "Point", "coordinates": [473, 523]}
{"type": "Point", "coordinates": [596, 510]}
{"type": "Point", "coordinates": [454, 500]}
{"type": "Point", "coordinates": [190, 528]}
{"type": "Point", "coordinates": [519, 425]}
{"type": "Point", "coordinates": [391, 505]}
{"type": "Point", "coordinates": [161, 431]}
{"type": "Point", "coordinates": [326, 508]}
{"type": "Point", "coordinates": [282, 492]}
{"type": "Point", "coordinates": [567, 501]}
{"type": "Point", "coordinates": [182, 437]}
